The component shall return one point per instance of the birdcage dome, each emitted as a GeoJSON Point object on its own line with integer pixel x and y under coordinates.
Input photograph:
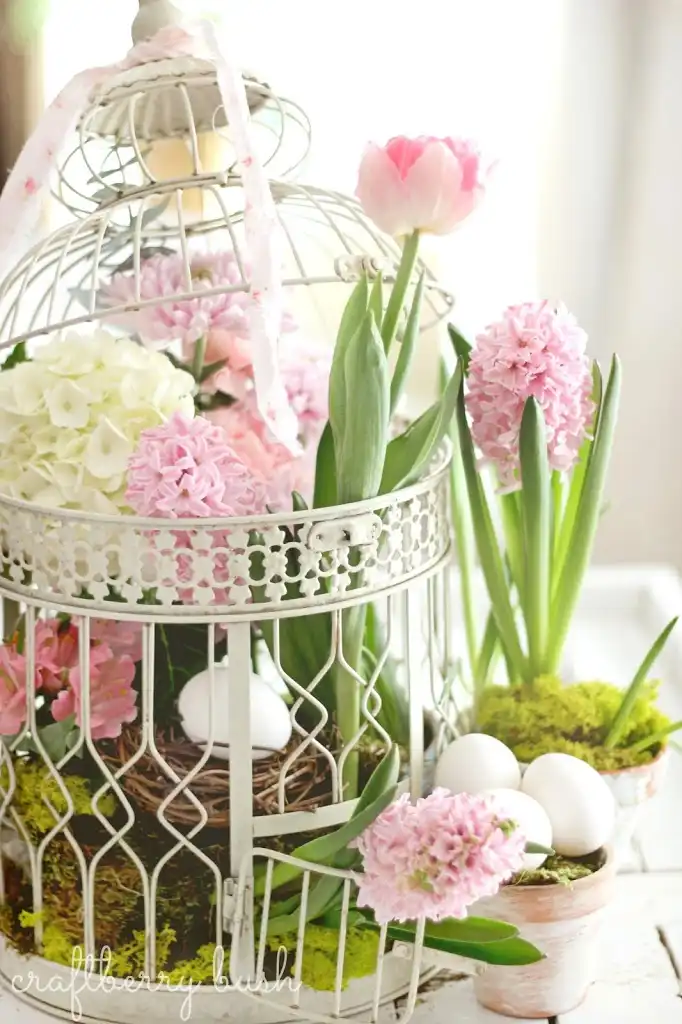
{"type": "Point", "coordinates": [164, 119]}
{"type": "Point", "coordinates": [328, 243]}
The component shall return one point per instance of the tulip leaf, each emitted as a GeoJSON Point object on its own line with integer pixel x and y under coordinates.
{"type": "Point", "coordinates": [407, 346]}
{"type": "Point", "coordinates": [376, 301]}
{"type": "Point", "coordinates": [630, 696]}
{"type": "Point", "coordinates": [537, 533]}
{"type": "Point", "coordinates": [351, 322]}
{"type": "Point", "coordinates": [320, 897]}
{"type": "Point", "coordinates": [361, 438]}
{"type": "Point", "coordinates": [409, 454]}
{"type": "Point", "coordinates": [325, 470]}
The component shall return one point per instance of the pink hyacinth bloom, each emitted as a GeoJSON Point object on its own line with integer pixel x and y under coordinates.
{"type": "Point", "coordinates": [121, 637]}
{"type": "Point", "coordinates": [536, 350]}
{"type": "Point", "coordinates": [56, 654]}
{"type": "Point", "coordinates": [434, 858]}
{"type": "Point", "coordinates": [423, 184]}
{"type": "Point", "coordinates": [12, 691]}
{"type": "Point", "coordinates": [186, 468]}
{"type": "Point", "coordinates": [305, 373]}
{"type": "Point", "coordinates": [113, 701]}
{"type": "Point", "coordinates": [222, 320]}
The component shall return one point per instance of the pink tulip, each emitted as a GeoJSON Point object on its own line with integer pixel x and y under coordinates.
{"type": "Point", "coordinates": [424, 184]}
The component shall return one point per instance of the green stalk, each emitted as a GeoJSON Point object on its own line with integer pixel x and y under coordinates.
{"type": "Point", "coordinates": [537, 535]}
{"type": "Point", "coordinates": [655, 737]}
{"type": "Point", "coordinates": [581, 542]}
{"type": "Point", "coordinates": [490, 647]}
{"type": "Point", "coordinates": [198, 358]}
{"type": "Point", "coordinates": [625, 710]}
{"type": "Point", "coordinates": [348, 693]}
{"type": "Point", "coordinates": [399, 290]}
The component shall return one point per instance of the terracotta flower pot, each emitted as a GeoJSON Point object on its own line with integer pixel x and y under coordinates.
{"type": "Point", "coordinates": [563, 921]}
{"type": "Point", "coordinates": [632, 788]}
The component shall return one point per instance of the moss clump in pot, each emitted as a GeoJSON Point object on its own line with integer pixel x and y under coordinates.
{"type": "Point", "coordinates": [546, 716]}
{"type": "Point", "coordinates": [557, 870]}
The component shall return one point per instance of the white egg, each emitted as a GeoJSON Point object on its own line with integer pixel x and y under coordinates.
{"type": "Point", "coordinates": [475, 762]}
{"type": "Point", "coordinates": [532, 820]}
{"type": "Point", "coordinates": [579, 803]}
{"type": "Point", "coordinates": [270, 720]}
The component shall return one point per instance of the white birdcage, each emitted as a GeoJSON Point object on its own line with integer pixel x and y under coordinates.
{"type": "Point", "coordinates": [164, 844]}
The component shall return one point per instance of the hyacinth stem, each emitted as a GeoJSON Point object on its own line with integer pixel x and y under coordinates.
{"type": "Point", "coordinates": [536, 522]}
{"type": "Point", "coordinates": [198, 358]}
{"type": "Point", "coordinates": [396, 300]}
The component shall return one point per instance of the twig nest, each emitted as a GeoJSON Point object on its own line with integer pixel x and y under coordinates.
{"type": "Point", "coordinates": [270, 719]}
{"type": "Point", "coordinates": [475, 762]}
{"type": "Point", "coordinates": [529, 817]}
{"type": "Point", "coordinates": [578, 801]}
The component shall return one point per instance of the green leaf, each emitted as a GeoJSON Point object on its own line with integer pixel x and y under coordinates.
{"type": "Point", "coordinates": [581, 541]}
{"type": "Point", "coordinates": [538, 848]}
{"type": "Point", "coordinates": [298, 502]}
{"type": "Point", "coordinates": [351, 322]}
{"type": "Point", "coordinates": [360, 446]}
{"type": "Point", "coordinates": [409, 454]}
{"type": "Point", "coordinates": [325, 470]}
{"type": "Point", "coordinates": [564, 528]}
{"type": "Point", "coordinates": [488, 550]}
{"type": "Point", "coordinates": [322, 849]}
{"type": "Point", "coordinates": [376, 301]}
{"type": "Point", "coordinates": [489, 647]}
{"type": "Point", "coordinates": [17, 355]}
{"type": "Point", "coordinates": [461, 346]}
{"type": "Point", "coordinates": [450, 936]}
{"type": "Point", "coordinates": [209, 369]}
{"type": "Point", "coordinates": [629, 698]}
{"type": "Point", "coordinates": [57, 738]}
{"type": "Point", "coordinates": [512, 526]}
{"type": "Point", "coordinates": [394, 714]}
{"type": "Point", "coordinates": [537, 533]}
{"type": "Point", "coordinates": [320, 897]}
{"type": "Point", "coordinates": [656, 737]}
{"type": "Point", "coordinates": [407, 346]}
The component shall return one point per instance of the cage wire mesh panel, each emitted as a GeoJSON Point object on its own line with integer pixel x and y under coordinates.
{"type": "Point", "coordinates": [162, 849]}
{"type": "Point", "coordinates": [155, 812]}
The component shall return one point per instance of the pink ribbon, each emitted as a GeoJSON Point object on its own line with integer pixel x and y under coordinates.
{"type": "Point", "coordinates": [28, 184]}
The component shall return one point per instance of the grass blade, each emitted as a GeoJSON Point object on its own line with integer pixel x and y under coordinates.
{"type": "Point", "coordinates": [616, 730]}
{"type": "Point", "coordinates": [537, 534]}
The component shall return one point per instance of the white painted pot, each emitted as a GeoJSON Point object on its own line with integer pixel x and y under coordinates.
{"type": "Point", "coordinates": [632, 788]}
{"type": "Point", "coordinates": [562, 921]}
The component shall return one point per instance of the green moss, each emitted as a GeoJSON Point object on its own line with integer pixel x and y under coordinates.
{"type": "Point", "coordinates": [37, 791]}
{"type": "Point", "coordinates": [320, 951]}
{"type": "Point", "coordinates": [547, 717]}
{"type": "Point", "coordinates": [199, 970]}
{"type": "Point", "coordinates": [557, 871]}
{"type": "Point", "coordinates": [128, 961]}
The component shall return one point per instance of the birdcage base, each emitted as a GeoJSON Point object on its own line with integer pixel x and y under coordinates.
{"type": "Point", "coordinates": [68, 995]}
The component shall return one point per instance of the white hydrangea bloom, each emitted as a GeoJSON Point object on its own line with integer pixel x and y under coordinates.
{"type": "Point", "coordinates": [71, 418]}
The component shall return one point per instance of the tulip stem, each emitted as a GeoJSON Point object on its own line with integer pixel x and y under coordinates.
{"type": "Point", "coordinates": [396, 301]}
